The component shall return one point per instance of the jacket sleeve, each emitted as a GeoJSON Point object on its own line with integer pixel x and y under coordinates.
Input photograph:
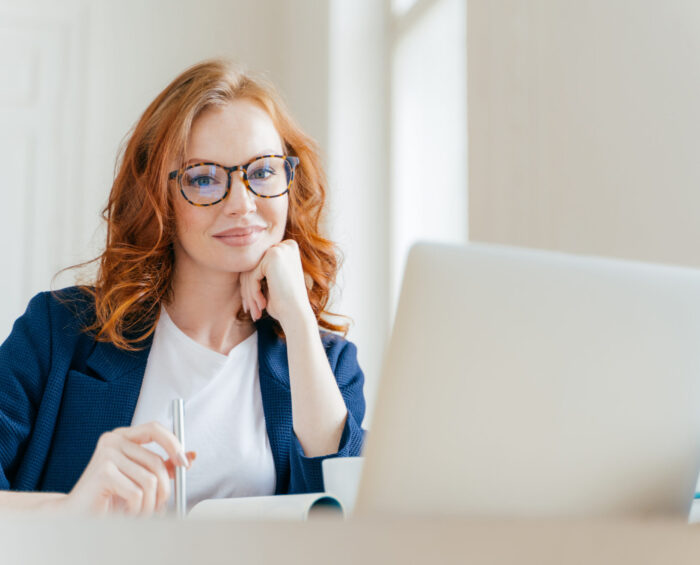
{"type": "Point", "coordinates": [306, 472]}
{"type": "Point", "coordinates": [24, 367]}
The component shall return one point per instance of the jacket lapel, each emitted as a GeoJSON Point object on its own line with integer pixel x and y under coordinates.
{"type": "Point", "coordinates": [104, 397]}
{"type": "Point", "coordinates": [109, 362]}
{"type": "Point", "coordinates": [121, 375]}
{"type": "Point", "coordinates": [276, 398]}
{"type": "Point", "coordinates": [96, 400]}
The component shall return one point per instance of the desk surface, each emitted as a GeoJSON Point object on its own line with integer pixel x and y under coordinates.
{"type": "Point", "coordinates": [37, 539]}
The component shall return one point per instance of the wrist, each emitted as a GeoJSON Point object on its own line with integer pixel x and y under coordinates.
{"type": "Point", "coordinates": [299, 320]}
{"type": "Point", "coordinates": [49, 502]}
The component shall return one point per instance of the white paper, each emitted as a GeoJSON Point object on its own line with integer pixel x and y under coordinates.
{"type": "Point", "coordinates": [280, 507]}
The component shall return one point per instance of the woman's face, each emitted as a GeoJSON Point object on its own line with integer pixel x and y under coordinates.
{"type": "Point", "coordinates": [230, 135]}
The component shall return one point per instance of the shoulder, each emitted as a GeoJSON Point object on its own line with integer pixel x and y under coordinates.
{"type": "Point", "coordinates": [59, 311]}
{"type": "Point", "coordinates": [49, 329]}
{"type": "Point", "coordinates": [337, 347]}
{"type": "Point", "coordinates": [73, 302]}
{"type": "Point", "coordinates": [341, 354]}
{"type": "Point", "coordinates": [70, 295]}
{"type": "Point", "coordinates": [334, 344]}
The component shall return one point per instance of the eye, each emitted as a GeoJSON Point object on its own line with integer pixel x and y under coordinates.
{"type": "Point", "coordinates": [202, 181]}
{"type": "Point", "coordinates": [262, 173]}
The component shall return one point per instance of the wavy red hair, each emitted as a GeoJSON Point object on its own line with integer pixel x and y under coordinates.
{"type": "Point", "coordinates": [136, 268]}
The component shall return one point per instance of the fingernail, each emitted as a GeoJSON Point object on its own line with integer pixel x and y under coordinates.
{"type": "Point", "coordinates": [182, 459]}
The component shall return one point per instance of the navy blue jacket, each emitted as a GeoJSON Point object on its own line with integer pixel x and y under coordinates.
{"type": "Point", "coordinates": [60, 390]}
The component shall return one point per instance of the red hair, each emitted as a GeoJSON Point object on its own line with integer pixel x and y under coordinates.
{"type": "Point", "coordinates": [136, 268]}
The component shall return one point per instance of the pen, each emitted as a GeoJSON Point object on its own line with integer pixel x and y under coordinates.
{"type": "Point", "coordinates": [179, 431]}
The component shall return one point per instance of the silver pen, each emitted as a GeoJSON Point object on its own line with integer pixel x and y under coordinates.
{"type": "Point", "coordinates": [180, 484]}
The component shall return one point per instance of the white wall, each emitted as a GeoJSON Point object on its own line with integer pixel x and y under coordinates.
{"type": "Point", "coordinates": [583, 126]}
{"type": "Point", "coordinates": [136, 48]}
{"type": "Point", "coordinates": [359, 176]}
{"type": "Point", "coordinates": [42, 94]}
{"type": "Point", "coordinates": [78, 74]}
{"type": "Point", "coordinates": [428, 129]}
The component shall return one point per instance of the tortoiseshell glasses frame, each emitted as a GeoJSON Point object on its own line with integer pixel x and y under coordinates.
{"type": "Point", "coordinates": [291, 161]}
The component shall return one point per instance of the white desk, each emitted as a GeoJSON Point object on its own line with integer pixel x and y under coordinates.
{"type": "Point", "coordinates": [32, 539]}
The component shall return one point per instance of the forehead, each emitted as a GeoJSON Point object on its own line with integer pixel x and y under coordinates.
{"type": "Point", "coordinates": [233, 133]}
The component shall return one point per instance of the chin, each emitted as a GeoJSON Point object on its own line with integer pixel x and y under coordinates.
{"type": "Point", "coordinates": [246, 260]}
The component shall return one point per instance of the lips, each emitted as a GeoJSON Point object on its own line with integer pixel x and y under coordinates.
{"type": "Point", "coordinates": [241, 236]}
{"type": "Point", "coordinates": [239, 232]}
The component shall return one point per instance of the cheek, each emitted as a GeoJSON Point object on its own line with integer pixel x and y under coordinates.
{"type": "Point", "coordinates": [181, 220]}
{"type": "Point", "coordinates": [188, 218]}
{"type": "Point", "coordinates": [276, 215]}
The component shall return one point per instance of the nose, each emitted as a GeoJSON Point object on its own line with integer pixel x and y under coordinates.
{"type": "Point", "coordinates": [240, 200]}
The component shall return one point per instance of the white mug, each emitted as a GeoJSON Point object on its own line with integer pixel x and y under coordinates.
{"type": "Point", "coordinates": [341, 478]}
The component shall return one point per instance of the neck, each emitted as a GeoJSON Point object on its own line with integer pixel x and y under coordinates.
{"type": "Point", "coordinates": [205, 308]}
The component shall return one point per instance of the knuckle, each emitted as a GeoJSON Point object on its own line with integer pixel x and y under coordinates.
{"type": "Point", "coordinates": [107, 453]}
{"type": "Point", "coordinates": [106, 470]}
{"type": "Point", "coordinates": [105, 439]}
{"type": "Point", "coordinates": [152, 460]}
{"type": "Point", "coordinates": [151, 482]}
{"type": "Point", "coordinates": [158, 427]}
{"type": "Point", "coordinates": [165, 489]}
{"type": "Point", "coordinates": [136, 496]}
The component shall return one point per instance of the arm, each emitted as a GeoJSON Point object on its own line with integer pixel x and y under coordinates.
{"type": "Point", "coordinates": [121, 475]}
{"type": "Point", "coordinates": [24, 368]}
{"type": "Point", "coordinates": [319, 432]}
{"type": "Point", "coordinates": [326, 386]}
{"type": "Point", "coordinates": [318, 409]}
{"type": "Point", "coordinates": [31, 500]}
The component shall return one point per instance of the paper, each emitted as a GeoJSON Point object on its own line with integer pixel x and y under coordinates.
{"type": "Point", "coordinates": [281, 507]}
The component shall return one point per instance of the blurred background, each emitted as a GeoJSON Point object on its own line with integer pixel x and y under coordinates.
{"type": "Point", "coordinates": [560, 124]}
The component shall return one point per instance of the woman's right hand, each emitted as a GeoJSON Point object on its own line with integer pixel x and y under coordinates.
{"type": "Point", "coordinates": [124, 476]}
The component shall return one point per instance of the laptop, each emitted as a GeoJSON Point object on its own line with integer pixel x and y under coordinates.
{"type": "Point", "coordinates": [523, 383]}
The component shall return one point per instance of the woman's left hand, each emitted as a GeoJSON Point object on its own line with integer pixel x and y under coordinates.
{"type": "Point", "coordinates": [287, 297]}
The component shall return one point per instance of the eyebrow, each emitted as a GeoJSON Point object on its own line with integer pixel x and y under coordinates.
{"type": "Point", "coordinates": [257, 156]}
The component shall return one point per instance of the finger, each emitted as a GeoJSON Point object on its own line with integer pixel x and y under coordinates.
{"type": "Point", "coordinates": [244, 296]}
{"type": "Point", "coordinates": [146, 481]}
{"type": "Point", "coordinates": [248, 294]}
{"type": "Point", "coordinates": [155, 431]}
{"type": "Point", "coordinates": [259, 298]}
{"type": "Point", "coordinates": [170, 467]}
{"type": "Point", "coordinates": [155, 464]}
{"type": "Point", "coordinates": [123, 487]}
{"type": "Point", "coordinates": [254, 289]}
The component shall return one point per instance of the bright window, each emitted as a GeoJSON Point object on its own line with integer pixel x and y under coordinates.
{"type": "Point", "coordinates": [428, 129]}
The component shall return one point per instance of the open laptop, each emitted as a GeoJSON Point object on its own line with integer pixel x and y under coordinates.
{"type": "Point", "coordinates": [522, 383]}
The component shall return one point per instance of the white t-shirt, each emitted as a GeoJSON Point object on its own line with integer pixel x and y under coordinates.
{"type": "Point", "coordinates": [224, 419]}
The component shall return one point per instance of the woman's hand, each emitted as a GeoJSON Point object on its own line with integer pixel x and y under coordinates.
{"type": "Point", "coordinates": [288, 297]}
{"type": "Point", "coordinates": [124, 476]}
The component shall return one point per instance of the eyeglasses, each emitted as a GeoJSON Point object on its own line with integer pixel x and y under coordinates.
{"type": "Point", "coordinates": [206, 184]}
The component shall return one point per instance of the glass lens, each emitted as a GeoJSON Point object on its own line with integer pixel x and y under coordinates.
{"type": "Point", "coordinates": [269, 176]}
{"type": "Point", "coordinates": [204, 184]}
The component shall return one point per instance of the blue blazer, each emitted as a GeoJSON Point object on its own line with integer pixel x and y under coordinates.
{"type": "Point", "coordinates": [60, 390]}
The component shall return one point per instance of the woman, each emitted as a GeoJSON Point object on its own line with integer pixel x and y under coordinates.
{"type": "Point", "coordinates": [212, 287]}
